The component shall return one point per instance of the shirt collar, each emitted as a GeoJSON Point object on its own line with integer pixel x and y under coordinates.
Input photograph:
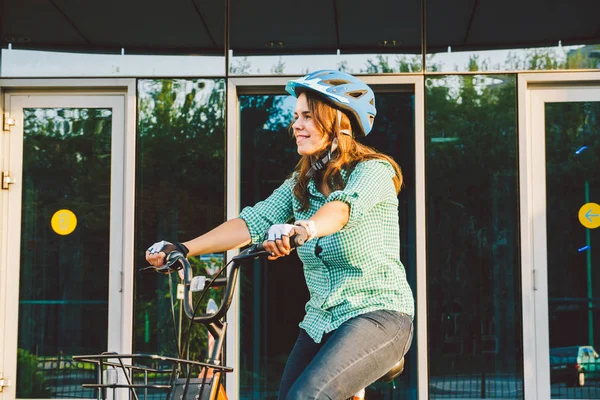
{"type": "Point", "coordinates": [312, 187]}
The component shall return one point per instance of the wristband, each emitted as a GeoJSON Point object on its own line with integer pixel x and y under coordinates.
{"type": "Point", "coordinates": [168, 247]}
{"type": "Point", "coordinates": [309, 225]}
{"type": "Point", "coordinates": [182, 248]}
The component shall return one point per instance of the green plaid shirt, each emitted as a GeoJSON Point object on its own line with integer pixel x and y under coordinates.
{"type": "Point", "coordinates": [355, 270]}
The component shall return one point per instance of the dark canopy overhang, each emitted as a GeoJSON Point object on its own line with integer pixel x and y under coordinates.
{"type": "Point", "coordinates": [275, 27]}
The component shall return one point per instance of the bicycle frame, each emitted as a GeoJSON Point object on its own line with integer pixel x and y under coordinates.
{"type": "Point", "coordinates": [177, 388]}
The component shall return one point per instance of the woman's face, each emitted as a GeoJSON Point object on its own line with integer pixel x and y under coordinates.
{"type": "Point", "coordinates": [309, 138]}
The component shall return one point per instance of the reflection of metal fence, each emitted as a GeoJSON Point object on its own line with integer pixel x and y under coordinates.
{"type": "Point", "coordinates": [64, 377]}
{"type": "Point", "coordinates": [476, 386]}
{"type": "Point", "coordinates": [591, 390]}
{"type": "Point", "coordinates": [575, 380]}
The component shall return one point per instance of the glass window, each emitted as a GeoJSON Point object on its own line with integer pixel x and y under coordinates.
{"type": "Point", "coordinates": [180, 181]}
{"type": "Point", "coordinates": [473, 261]}
{"type": "Point", "coordinates": [520, 59]}
{"type": "Point", "coordinates": [64, 247]}
{"type": "Point", "coordinates": [572, 187]}
{"type": "Point", "coordinates": [373, 63]}
{"type": "Point", "coordinates": [32, 63]}
{"type": "Point", "coordinates": [273, 294]}
{"type": "Point", "coordinates": [270, 291]}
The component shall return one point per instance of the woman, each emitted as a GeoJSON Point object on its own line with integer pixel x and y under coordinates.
{"type": "Point", "coordinates": [358, 320]}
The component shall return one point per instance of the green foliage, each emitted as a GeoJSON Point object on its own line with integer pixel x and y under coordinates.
{"type": "Point", "coordinates": [66, 165]}
{"type": "Point", "coordinates": [471, 156]}
{"type": "Point", "coordinates": [30, 380]}
{"type": "Point", "coordinates": [279, 68]}
{"type": "Point", "coordinates": [382, 64]}
{"type": "Point", "coordinates": [180, 194]}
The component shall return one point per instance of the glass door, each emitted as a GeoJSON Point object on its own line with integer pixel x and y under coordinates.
{"type": "Point", "coordinates": [273, 294]}
{"type": "Point", "coordinates": [565, 126]}
{"type": "Point", "coordinates": [60, 270]}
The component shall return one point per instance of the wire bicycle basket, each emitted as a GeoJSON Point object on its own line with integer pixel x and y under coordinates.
{"type": "Point", "coordinates": [131, 373]}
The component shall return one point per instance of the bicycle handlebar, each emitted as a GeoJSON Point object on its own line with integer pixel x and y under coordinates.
{"type": "Point", "coordinates": [255, 251]}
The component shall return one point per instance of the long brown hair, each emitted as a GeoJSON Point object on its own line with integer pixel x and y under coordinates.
{"type": "Point", "coordinates": [349, 152]}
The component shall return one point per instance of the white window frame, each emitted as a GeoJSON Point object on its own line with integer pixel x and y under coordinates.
{"type": "Point", "coordinates": [532, 187]}
{"type": "Point", "coordinates": [123, 206]}
{"type": "Point", "coordinates": [236, 86]}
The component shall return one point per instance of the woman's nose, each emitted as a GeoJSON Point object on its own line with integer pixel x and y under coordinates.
{"type": "Point", "coordinates": [297, 125]}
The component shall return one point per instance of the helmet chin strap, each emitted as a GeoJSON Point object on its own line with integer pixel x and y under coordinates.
{"type": "Point", "coordinates": [320, 164]}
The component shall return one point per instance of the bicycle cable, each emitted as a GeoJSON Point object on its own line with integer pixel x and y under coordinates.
{"type": "Point", "coordinates": [177, 344]}
{"type": "Point", "coordinates": [209, 284]}
{"type": "Point", "coordinates": [187, 339]}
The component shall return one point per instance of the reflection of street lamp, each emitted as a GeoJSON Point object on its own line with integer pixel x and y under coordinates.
{"type": "Point", "coordinates": [588, 255]}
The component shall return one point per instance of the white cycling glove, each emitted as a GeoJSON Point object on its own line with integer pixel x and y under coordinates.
{"type": "Point", "coordinates": [168, 247]}
{"type": "Point", "coordinates": [277, 231]}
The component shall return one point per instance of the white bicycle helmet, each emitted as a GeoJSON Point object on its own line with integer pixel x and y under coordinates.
{"type": "Point", "coordinates": [345, 92]}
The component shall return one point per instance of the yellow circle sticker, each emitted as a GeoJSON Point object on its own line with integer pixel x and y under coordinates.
{"type": "Point", "coordinates": [63, 222]}
{"type": "Point", "coordinates": [589, 215]}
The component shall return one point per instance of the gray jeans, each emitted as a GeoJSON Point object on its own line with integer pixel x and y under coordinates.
{"type": "Point", "coordinates": [348, 359]}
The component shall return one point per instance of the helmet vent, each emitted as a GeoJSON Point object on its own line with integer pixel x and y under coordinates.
{"type": "Point", "coordinates": [357, 94]}
{"type": "Point", "coordinates": [336, 82]}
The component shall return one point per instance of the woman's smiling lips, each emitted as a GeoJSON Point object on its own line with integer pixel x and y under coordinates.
{"type": "Point", "coordinates": [300, 138]}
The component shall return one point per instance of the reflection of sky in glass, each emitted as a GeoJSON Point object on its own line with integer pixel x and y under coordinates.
{"type": "Point", "coordinates": [181, 89]}
{"type": "Point", "coordinates": [494, 60]}
{"type": "Point", "coordinates": [30, 63]}
{"type": "Point", "coordinates": [62, 119]}
{"type": "Point", "coordinates": [63, 114]}
{"type": "Point", "coordinates": [19, 63]}
{"type": "Point", "coordinates": [453, 83]}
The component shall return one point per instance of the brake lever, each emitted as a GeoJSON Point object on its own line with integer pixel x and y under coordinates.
{"type": "Point", "coordinates": [162, 268]}
{"type": "Point", "coordinates": [170, 264]}
{"type": "Point", "coordinates": [255, 251]}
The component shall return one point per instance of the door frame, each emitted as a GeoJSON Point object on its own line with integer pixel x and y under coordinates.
{"type": "Point", "coordinates": [532, 186]}
{"type": "Point", "coordinates": [240, 85]}
{"type": "Point", "coordinates": [121, 87]}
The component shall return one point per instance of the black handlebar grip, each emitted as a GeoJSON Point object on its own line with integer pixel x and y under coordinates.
{"type": "Point", "coordinates": [298, 239]}
{"type": "Point", "coordinates": [295, 241]}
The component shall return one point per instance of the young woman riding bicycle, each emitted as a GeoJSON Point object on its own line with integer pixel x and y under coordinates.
{"type": "Point", "coordinates": [358, 321]}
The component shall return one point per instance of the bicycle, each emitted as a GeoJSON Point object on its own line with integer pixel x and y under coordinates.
{"type": "Point", "coordinates": [209, 383]}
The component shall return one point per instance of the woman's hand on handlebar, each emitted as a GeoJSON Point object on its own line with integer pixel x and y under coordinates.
{"type": "Point", "coordinates": [157, 253]}
{"type": "Point", "coordinates": [278, 239]}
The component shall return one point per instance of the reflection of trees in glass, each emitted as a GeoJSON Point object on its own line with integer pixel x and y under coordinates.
{"type": "Point", "coordinates": [472, 215]}
{"type": "Point", "coordinates": [179, 193]}
{"type": "Point", "coordinates": [269, 292]}
{"type": "Point", "coordinates": [401, 63]}
{"type": "Point", "coordinates": [572, 159]}
{"type": "Point", "coordinates": [472, 223]}
{"type": "Point", "coordinates": [549, 58]}
{"type": "Point", "coordinates": [66, 165]}
{"type": "Point", "coordinates": [541, 58]}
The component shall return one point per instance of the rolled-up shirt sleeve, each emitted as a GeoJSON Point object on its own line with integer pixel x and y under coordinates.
{"type": "Point", "coordinates": [276, 209]}
{"type": "Point", "coordinates": [369, 183]}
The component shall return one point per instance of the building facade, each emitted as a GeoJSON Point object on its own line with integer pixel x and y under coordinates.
{"type": "Point", "coordinates": [103, 155]}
